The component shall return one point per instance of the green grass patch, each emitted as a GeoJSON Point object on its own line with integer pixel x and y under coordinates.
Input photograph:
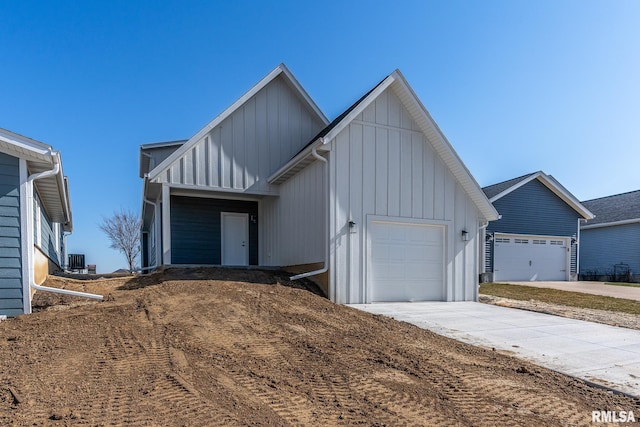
{"type": "Point", "coordinates": [633, 285]}
{"type": "Point", "coordinates": [555, 296]}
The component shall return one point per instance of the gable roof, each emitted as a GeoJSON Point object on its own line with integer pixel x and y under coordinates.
{"type": "Point", "coordinates": [40, 157]}
{"type": "Point", "coordinates": [497, 191]}
{"type": "Point", "coordinates": [280, 70]}
{"type": "Point", "coordinates": [426, 124]}
{"type": "Point", "coordinates": [618, 208]}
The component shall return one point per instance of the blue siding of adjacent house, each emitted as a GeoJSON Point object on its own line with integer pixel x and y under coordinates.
{"type": "Point", "coordinates": [602, 248]}
{"type": "Point", "coordinates": [534, 209]}
{"type": "Point", "coordinates": [11, 302]}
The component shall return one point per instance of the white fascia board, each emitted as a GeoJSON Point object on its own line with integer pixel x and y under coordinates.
{"type": "Point", "coordinates": [551, 183]}
{"type": "Point", "coordinates": [515, 186]}
{"type": "Point", "coordinates": [358, 109]}
{"type": "Point", "coordinates": [162, 144]}
{"type": "Point", "coordinates": [294, 161]}
{"type": "Point", "coordinates": [280, 69]}
{"type": "Point", "coordinates": [446, 151]}
{"type": "Point", "coordinates": [303, 93]}
{"type": "Point", "coordinates": [555, 187]}
{"type": "Point", "coordinates": [166, 163]}
{"type": "Point", "coordinates": [611, 224]}
{"type": "Point", "coordinates": [24, 147]}
{"type": "Point", "coordinates": [63, 188]}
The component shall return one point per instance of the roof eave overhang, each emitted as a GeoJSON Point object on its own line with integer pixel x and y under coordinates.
{"type": "Point", "coordinates": [296, 164]}
{"type": "Point", "coordinates": [23, 147]}
{"type": "Point", "coordinates": [54, 191]}
{"type": "Point", "coordinates": [610, 224]}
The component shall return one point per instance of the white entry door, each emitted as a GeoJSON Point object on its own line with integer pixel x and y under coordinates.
{"type": "Point", "coordinates": [406, 262]}
{"type": "Point", "coordinates": [235, 238]}
{"type": "Point", "coordinates": [530, 258]}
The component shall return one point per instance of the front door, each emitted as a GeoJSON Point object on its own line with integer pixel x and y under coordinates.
{"type": "Point", "coordinates": [235, 238]}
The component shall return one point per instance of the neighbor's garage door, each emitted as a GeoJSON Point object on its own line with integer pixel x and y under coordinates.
{"type": "Point", "coordinates": [407, 262]}
{"type": "Point", "coordinates": [529, 258]}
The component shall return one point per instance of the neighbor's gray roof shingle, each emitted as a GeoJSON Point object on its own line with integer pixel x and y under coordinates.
{"type": "Point", "coordinates": [619, 207]}
{"type": "Point", "coordinates": [495, 189]}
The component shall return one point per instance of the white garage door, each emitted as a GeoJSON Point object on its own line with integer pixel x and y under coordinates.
{"type": "Point", "coordinates": [407, 262]}
{"type": "Point", "coordinates": [529, 258]}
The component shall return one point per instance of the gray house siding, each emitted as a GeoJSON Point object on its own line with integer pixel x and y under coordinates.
{"type": "Point", "coordinates": [534, 209]}
{"type": "Point", "coordinates": [11, 297]}
{"type": "Point", "coordinates": [196, 229]}
{"type": "Point", "coordinates": [602, 248]}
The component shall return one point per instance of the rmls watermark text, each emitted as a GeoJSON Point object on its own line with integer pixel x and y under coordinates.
{"type": "Point", "coordinates": [612, 417]}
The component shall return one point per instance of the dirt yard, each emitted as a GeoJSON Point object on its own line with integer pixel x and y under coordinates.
{"type": "Point", "coordinates": [220, 347]}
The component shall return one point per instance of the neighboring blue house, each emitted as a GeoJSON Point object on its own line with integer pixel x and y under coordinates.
{"type": "Point", "coordinates": [35, 214]}
{"type": "Point", "coordinates": [538, 233]}
{"type": "Point", "coordinates": [610, 243]}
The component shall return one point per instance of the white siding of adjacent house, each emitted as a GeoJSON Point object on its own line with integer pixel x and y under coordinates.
{"type": "Point", "coordinates": [248, 146]}
{"type": "Point", "coordinates": [293, 224]}
{"type": "Point", "coordinates": [383, 166]}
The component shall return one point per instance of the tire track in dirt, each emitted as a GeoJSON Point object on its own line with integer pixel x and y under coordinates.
{"type": "Point", "coordinates": [134, 366]}
{"type": "Point", "coordinates": [465, 387]}
{"type": "Point", "coordinates": [401, 407]}
{"type": "Point", "coordinates": [292, 409]}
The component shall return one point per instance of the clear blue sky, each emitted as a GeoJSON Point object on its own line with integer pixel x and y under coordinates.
{"type": "Point", "coordinates": [517, 86]}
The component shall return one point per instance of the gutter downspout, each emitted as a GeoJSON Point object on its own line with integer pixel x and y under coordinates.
{"type": "Point", "coordinates": [483, 227]}
{"type": "Point", "coordinates": [34, 177]}
{"type": "Point", "coordinates": [326, 231]}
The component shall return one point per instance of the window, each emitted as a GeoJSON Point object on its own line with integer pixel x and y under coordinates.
{"type": "Point", "coordinates": [502, 240]}
{"type": "Point", "coordinates": [557, 242]}
{"type": "Point", "coordinates": [522, 241]}
{"type": "Point", "coordinates": [539, 242]}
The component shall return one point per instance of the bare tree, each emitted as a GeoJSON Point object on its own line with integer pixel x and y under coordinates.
{"type": "Point", "coordinates": [123, 230]}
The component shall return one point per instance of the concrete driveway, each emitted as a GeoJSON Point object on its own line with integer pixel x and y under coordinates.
{"type": "Point", "coordinates": [603, 354]}
{"type": "Point", "coordinates": [595, 288]}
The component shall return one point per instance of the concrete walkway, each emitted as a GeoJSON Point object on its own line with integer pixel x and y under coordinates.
{"type": "Point", "coordinates": [595, 288]}
{"type": "Point", "coordinates": [603, 354]}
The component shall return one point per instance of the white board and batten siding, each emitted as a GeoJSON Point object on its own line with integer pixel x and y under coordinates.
{"type": "Point", "coordinates": [383, 168]}
{"type": "Point", "coordinates": [243, 150]}
{"type": "Point", "coordinates": [293, 224]}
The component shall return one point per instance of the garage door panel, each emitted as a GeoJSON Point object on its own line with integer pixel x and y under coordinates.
{"type": "Point", "coordinates": [529, 259]}
{"type": "Point", "coordinates": [417, 290]}
{"type": "Point", "coordinates": [407, 262]}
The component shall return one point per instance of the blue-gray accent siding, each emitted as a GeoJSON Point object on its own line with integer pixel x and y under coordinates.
{"type": "Point", "coordinates": [602, 248]}
{"type": "Point", "coordinates": [196, 229]}
{"type": "Point", "coordinates": [11, 296]}
{"type": "Point", "coordinates": [534, 209]}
